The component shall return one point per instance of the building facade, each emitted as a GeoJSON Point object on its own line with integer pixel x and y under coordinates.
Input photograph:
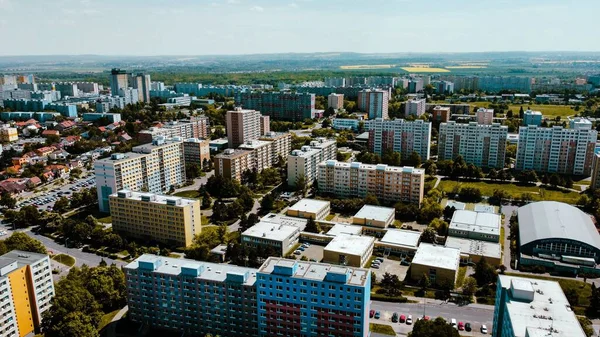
{"type": "Point", "coordinates": [193, 127]}
{"type": "Point", "coordinates": [8, 135]}
{"type": "Point", "coordinates": [441, 114]}
{"type": "Point", "coordinates": [279, 105]}
{"type": "Point", "coordinates": [479, 144]}
{"type": "Point", "coordinates": [196, 151]}
{"type": "Point", "coordinates": [242, 126]}
{"type": "Point", "coordinates": [335, 101]}
{"type": "Point", "coordinates": [232, 163]}
{"type": "Point", "coordinates": [399, 135]}
{"type": "Point", "coordinates": [415, 107]}
{"type": "Point", "coordinates": [119, 79]}
{"type": "Point", "coordinates": [596, 171]}
{"type": "Point", "coordinates": [484, 116]}
{"type": "Point", "coordinates": [303, 162]}
{"type": "Point", "coordinates": [532, 118]}
{"type": "Point", "coordinates": [388, 183]}
{"type": "Point", "coordinates": [374, 102]}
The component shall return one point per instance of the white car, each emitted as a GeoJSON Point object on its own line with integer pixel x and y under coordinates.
{"type": "Point", "coordinates": [453, 323]}
{"type": "Point", "coordinates": [409, 320]}
{"type": "Point", "coordinates": [484, 329]}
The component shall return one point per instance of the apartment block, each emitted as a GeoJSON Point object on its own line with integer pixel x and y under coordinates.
{"type": "Point", "coordinates": [335, 82]}
{"type": "Point", "coordinates": [110, 117]}
{"type": "Point", "coordinates": [596, 171]}
{"type": "Point", "coordinates": [335, 101]}
{"type": "Point", "coordinates": [192, 297]}
{"type": "Point", "coordinates": [556, 149]}
{"type": "Point", "coordinates": [232, 163]}
{"type": "Point", "coordinates": [441, 114]}
{"type": "Point", "coordinates": [154, 167]}
{"type": "Point", "coordinates": [580, 123]}
{"type": "Point", "coordinates": [374, 103]}
{"type": "Point", "coordinates": [480, 144]}
{"type": "Point", "coordinates": [67, 89]}
{"type": "Point", "coordinates": [303, 162]}
{"type": "Point", "coordinates": [279, 105]}
{"type": "Point", "coordinates": [242, 126]}
{"type": "Point", "coordinates": [119, 79]}
{"type": "Point", "coordinates": [532, 118]}
{"type": "Point", "coordinates": [261, 153]}
{"type": "Point", "coordinates": [8, 135]}
{"type": "Point", "coordinates": [484, 116]}
{"type": "Point", "coordinates": [399, 135]}
{"type": "Point", "coordinates": [153, 217]}
{"type": "Point", "coordinates": [387, 183]}
{"type": "Point", "coordinates": [265, 125]}
{"type": "Point", "coordinates": [141, 82]}
{"type": "Point", "coordinates": [281, 144]}
{"type": "Point", "coordinates": [193, 127]}
{"type": "Point", "coordinates": [415, 107]}
{"type": "Point", "coordinates": [26, 289]}
{"type": "Point", "coordinates": [196, 151]}
{"type": "Point", "coordinates": [345, 124]}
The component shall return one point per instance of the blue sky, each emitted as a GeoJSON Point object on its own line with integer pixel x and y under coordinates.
{"type": "Point", "coordinates": [199, 27]}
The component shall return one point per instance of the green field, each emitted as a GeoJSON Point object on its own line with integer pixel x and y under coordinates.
{"type": "Point", "coordinates": [383, 329]}
{"type": "Point", "coordinates": [188, 194]}
{"type": "Point", "coordinates": [549, 111]}
{"type": "Point", "coordinates": [65, 259]}
{"type": "Point", "coordinates": [515, 191]}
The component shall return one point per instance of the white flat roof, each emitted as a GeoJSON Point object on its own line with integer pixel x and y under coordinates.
{"type": "Point", "coordinates": [437, 256]}
{"type": "Point", "coordinates": [475, 247]}
{"type": "Point", "coordinates": [315, 271]}
{"type": "Point", "coordinates": [155, 198]}
{"type": "Point", "coordinates": [309, 205]}
{"type": "Point", "coordinates": [285, 220]}
{"type": "Point", "coordinates": [376, 213]}
{"type": "Point", "coordinates": [271, 231]}
{"type": "Point", "coordinates": [339, 228]}
{"type": "Point", "coordinates": [483, 208]}
{"type": "Point", "coordinates": [350, 244]}
{"type": "Point", "coordinates": [456, 204]}
{"type": "Point", "coordinates": [479, 222]}
{"type": "Point", "coordinates": [401, 238]}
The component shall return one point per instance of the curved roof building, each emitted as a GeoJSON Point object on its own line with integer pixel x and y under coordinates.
{"type": "Point", "coordinates": [555, 229]}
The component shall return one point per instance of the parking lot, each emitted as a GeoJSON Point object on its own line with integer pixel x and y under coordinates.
{"type": "Point", "coordinates": [389, 266]}
{"type": "Point", "coordinates": [312, 253]}
{"type": "Point", "coordinates": [46, 201]}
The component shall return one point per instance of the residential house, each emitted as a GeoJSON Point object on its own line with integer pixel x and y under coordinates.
{"type": "Point", "coordinates": [45, 151]}
{"type": "Point", "coordinates": [47, 133]}
{"type": "Point", "coordinates": [48, 175]}
{"type": "Point", "coordinates": [59, 155]}
{"type": "Point", "coordinates": [33, 182]}
{"type": "Point", "coordinates": [66, 125]}
{"type": "Point", "coordinates": [124, 137]}
{"type": "Point", "coordinates": [20, 160]}
{"type": "Point", "coordinates": [59, 171]}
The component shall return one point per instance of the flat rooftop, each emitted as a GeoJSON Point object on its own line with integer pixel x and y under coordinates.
{"type": "Point", "coordinates": [22, 257]}
{"type": "Point", "coordinates": [456, 204]}
{"type": "Point", "coordinates": [475, 247]}
{"type": "Point", "coordinates": [271, 231]}
{"type": "Point", "coordinates": [339, 228]}
{"type": "Point", "coordinates": [437, 256]}
{"type": "Point", "coordinates": [211, 272]}
{"type": "Point", "coordinates": [483, 208]}
{"type": "Point", "coordinates": [154, 198]}
{"type": "Point", "coordinates": [400, 237]}
{"type": "Point", "coordinates": [285, 220]}
{"type": "Point", "coordinates": [376, 213]}
{"type": "Point", "coordinates": [119, 157]}
{"type": "Point", "coordinates": [479, 222]}
{"type": "Point", "coordinates": [350, 244]}
{"type": "Point", "coordinates": [536, 306]}
{"type": "Point", "coordinates": [254, 144]}
{"type": "Point", "coordinates": [309, 205]}
{"type": "Point", "coordinates": [232, 153]}
{"type": "Point", "coordinates": [316, 271]}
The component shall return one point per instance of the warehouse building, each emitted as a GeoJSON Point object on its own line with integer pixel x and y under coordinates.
{"type": "Point", "coordinates": [475, 225]}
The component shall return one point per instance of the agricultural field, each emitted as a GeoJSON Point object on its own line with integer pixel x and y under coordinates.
{"type": "Point", "coordinates": [549, 111]}
{"type": "Point", "coordinates": [466, 67]}
{"type": "Point", "coordinates": [425, 70]}
{"type": "Point", "coordinates": [367, 66]}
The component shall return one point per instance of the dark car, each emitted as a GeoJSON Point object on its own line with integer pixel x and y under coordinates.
{"type": "Point", "coordinates": [395, 317]}
{"type": "Point", "coordinates": [371, 313]}
{"type": "Point", "coordinates": [468, 327]}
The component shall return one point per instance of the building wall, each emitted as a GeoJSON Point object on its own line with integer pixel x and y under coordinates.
{"type": "Point", "coordinates": [441, 275]}
{"type": "Point", "coordinates": [374, 102]}
{"type": "Point", "coordinates": [596, 171]}
{"type": "Point", "coordinates": [232, 167]}
{"type": "Point", "coordinates": [196, 152]}
{"type": "Point", "coordinates": [278, 105]}
{"type": "Point", "coordinates": [21, 300]}
{"type": "Point", "coordinates": [481, 145]}
{"type": "Point", "coordinates": [337, 258]}
{"type": "Point", "coordinates": [242, 126]}
{"type": "Point", "coordinates": [400, 136]}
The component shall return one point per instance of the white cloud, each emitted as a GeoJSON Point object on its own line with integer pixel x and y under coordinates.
{"type": "Point", "coordinates": [293, 5]}
{"type": "Point", "coordinates": [5, 4]}
{"type": "Point", "coordinates": [257, 9]}
{"type": "Point", "coordinates": [233, 2]}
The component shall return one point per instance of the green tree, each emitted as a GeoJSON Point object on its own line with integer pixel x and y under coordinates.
{"type": "Point", "coordinates": [301, 185]}
{"type": "Point", "coordinates": [371, 199]}
{"type": "Point", "coordinates": [438, 328]}
{"type": "Point", "coordinates": [61, 205]}
{"type": "Point", "coordinates": [484, 272]}
{"type": "Point", "coordinates": [391, 284]}
{"type": "Point", "coordinates": [6, 200]}
{"type": "Point", "coordinates": [192, 171]}
{"type": "Point", "coordinates": [424, 282]}
{"type": "Point", "coordinates": [21, 241]}
{"type": "Point", "coordinates": [469, 287]}
{"type": "Point", "coordinates": [428, 235]}
{"type": "Point", "coordinates": [312, 226]}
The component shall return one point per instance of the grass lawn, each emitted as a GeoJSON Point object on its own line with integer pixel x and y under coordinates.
{"type": "Point", "coordinates": [502, 237]}
{"type": "Point", "coordinates": [107, 318]}
{"type": "Point", "coordinates": [329, 217]}
{"type": "Point", "coordinates": [106, 219]}
{"type": "Point", "coordinates": [204, 220]}
{"type": "Point", "coordinates": [188, 194]}
{"type": "Point", "coordinates": [65, 259]}
{"type": "Point", "coordinates": [462, 272]}
{"type": "Point", "coordinates": [584, 290]}
{"type": "Point", "coordinates": [383, 329]}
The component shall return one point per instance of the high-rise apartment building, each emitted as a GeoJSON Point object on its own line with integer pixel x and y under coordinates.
{"type": "Point", "coordinates": [415, 85]}
{"type": "Point", "coordinates": [374, 103]}
{"type": "Point", "coordinates": [596, 172]}
{"type": "Point", "coordinates": [335, 82]}
{"type": "Point", "coordinates": [415, 107]}
{"type": "Point", "coordinates": [154, 168]}
{"type": "Point", "coordinates": [498, 83]}
{"type": "Point", "coordinates": [232, 163]}
{"type": "Point", "coordinates": [26, 289]}
{"type": "Point", "coordinates": [119, 79]}
{"type": "Point", "coordinates": [265, 125]}
{"type": "Point", "coordinates": [527, 307]}
{"type": "Point", "coordinates": [242, 126]}
{"type": "Point", "coordinates": [532, 118]}
{"type": "Point", "coordinates": [67, 89]}
{"type": "Point", "coordinates": [152, 217]}
{"type": "Point", "coordinates": [399, 135]}
{"type": "Point", "coordinates": [8, 134]}
{"type": "Point", "coordinates": [303, 162]}
{"type": "Point", "coordinates": [479, 144]}
{"type": "Point", "coordinates": [335, 101]}
{"type": "Point", "coordinates": [261, 153]}
{"type": "Point", "coordinates": [484, 116]}
{"type": "Point", "coordinates": [196, 151]}
{"type": "Point", "coordinates": [298, 298]}
{"type": "Point", "coordinates": [279, 105]}
{"type": "Point", "coordinates": [192, 297]}
{"type": "Point", "coordinates": [193, 127]}
{"type": "Point", "coordinates": [387, 183]}
{"type": "Point", "coordinates": [281, 144]}
{"type": "Point", "coordinates": [141, 82]}
{"type": "Point", "coordinates": [357, 81]}
{"type": "Point", "coordinates": [441, 114]}
{"type": "Point", "coordinates": [556, 149]}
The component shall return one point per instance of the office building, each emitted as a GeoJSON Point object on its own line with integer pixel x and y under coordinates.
{"type": "Point", "coordinates": [374, 216]}
{"type": "Point", "coordinates": [349, 250]}
{"type": "Point", "coordinates": [475, 225]}
{"type": "Point", "coordinates": [374, 103]}
{"type": "Point", "coordinates": [303, 162]}
{"type": "Point", "coordinates": [242, 126]}
{"type": "Point", "coordinates": [346, 124]}
{"type": "Point", "coordinates": [387, 183]}
{"type": "Point", "coordinates": [439, 263]}
{"type": "Point", "coordinates": [279, 105]}
{"type": "Point", "coordinates": [335, 101]}
{"type": "Point", "coordinates": [441, 114]}
{"type": "Point", "coordinates": [119, 79]}
{"type": "Point", "coordinates": [479, 144]}
{"type": "Point", "coordinates": [310, 209]}
{"type": "Point", "coordinates": [265, 125]}
{"type": "Point", "coordinates": [150, 217]}
{"type": "Point", "coordinates": [193, 127]}
{"type": "Point", "coordinates": [400, 136]}
{"type": "Point", "coordinates": [110, 117]}
{"type": "Point", "coordinates": [8, 134]}
{"type": "Point", "coordinates": [527, 307]}
{"type": "Point", "coordinates": [232, 163]}
{"type": "Point", "coordinates": [484, 116]}
{"type": "Point", "coordinates": [279, 238]}
{"type": "Point", "coordinates": [334, 82]}
{"type": "Point", "coordinates": [595, 171]}
{"type": "Point", "coordinates": [26, 289]}
{"type": "Point", "coordinates": [201, 297]}
{"type": "Point", "coordinates": [196, 151]}
{"type": "Point", "coordinates": [155, 168]}
{"type": "Point", "coordinates": [414, 107]}
{"type": "Point", "coordinates": [556, 149]}
{"type": "Point", "coordinates": [297, 298]}
{"type": "Point", "coordinates": [532, 118]}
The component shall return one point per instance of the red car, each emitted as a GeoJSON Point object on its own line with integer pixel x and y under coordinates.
{"type": "Point", "coordinates": [426, 318]}
{"type": "Point", "coordinates": [371, 313]}
{"type": "Point", "coordinates": [461, 326]}
{"type": "Point", "coordinates": [402, 318]}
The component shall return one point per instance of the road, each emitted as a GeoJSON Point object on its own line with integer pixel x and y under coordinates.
{"type": "Point", "coordinates": [197, 183]}
{"type": "Point", "coordinates": [507, 210]}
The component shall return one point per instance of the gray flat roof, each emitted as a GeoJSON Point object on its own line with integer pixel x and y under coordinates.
{"type": "Point", "coordinates": [456, 204]}
{"type": "Point", "coordinates": [479, 222]}
{"type": "Point", "coordinates": [316, 271]}
{"type": "Point", "coordinates": [401, 237]}
{"type": "Point", "coordinates": [437, 256]}
{"type": "Point", "coordinates": [309, 205]}
{"type": "Point", "coordinates": [157, 198]}
{"type": "Point", "coordinates": [285, 220]}
{"type": "Point", "coordinates": [483, 208]}
{"type": "Point", "coordinates": [376, 213]}
{"type": "Point", "coordinates": [475, 247]}
{"type": "Point", "coordinates": [340, 228]}
{"type": "Point", "coordinates": [350, 244]}
{"type": "Point", "coordinates": [271, 231]}
{"type": "Point", "coordinates": [24, 258]}
{"type": "Point", "coordinates": [556, 220]}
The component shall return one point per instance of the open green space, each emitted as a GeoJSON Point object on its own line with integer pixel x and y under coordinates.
{"type": "Point", "coordinates": [329, 217]}
{"type": "Point", "coordinates": [462, 272]}
{"type": "Point", "coordinates": [383, 329]}
{"type": "Point", "coordinates": [65, 259]}
{"type": "Point", "coordinates": [188, 194]}
{"type": "Point", "coordinates": [106, 319]}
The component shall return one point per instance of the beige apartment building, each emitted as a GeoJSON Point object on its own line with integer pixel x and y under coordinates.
{"type": "Point", "coordinates": [387, 183]}
{"type": "Point", "coordinates": [303, 162]}
{"type": "Point", "coordinates": [8, 135]}
{"type": "Point", "coordinates": [146, 216]}
{"type": "Point", "coordinates": [281, 144]}
{"type": "Point", "coordinates": [196, 151]}
{"type": "Point", "coordinates": [242, 126]}
{"type": "Point", "coordinates": [231, 164]}
{"type": "Point", "coordinates": [260, 153]}
{"type": "Point", "coordinates": [265, 124]}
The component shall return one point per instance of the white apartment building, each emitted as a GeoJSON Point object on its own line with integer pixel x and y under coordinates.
{"type": "Point", "coordinates": [387, 183]}
{"type": "Point", "coordinates": [374, 103]}
{"type": "Point", "coordinates": [260, 155]}
{"type": "Point", "coordinates": [556, 149]}
{"type": "Point", "coordinates": [304, 162]}
{"type": "Point", "coordinates": [399, 135]}
{"type": "Point", "coordinates": [154, 167]}
{"type": "Point", "coordinates": [415, 107]}
{"type": "Point", "coordinates": [242, 126]}
{"type": "Point", "coordinates": [480, 144]}
{"type": "Point", "coordinates": [485, 116]}
{"type": "Point", "coordinates": [281, 144]}
{"type": "Point", "coordinates": [335, 101]}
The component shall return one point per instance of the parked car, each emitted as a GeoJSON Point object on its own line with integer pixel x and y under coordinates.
{"type": "Point", "coordinates": [297, 252]}
{"type": "Point", "coordinates": [484, 329]}
{"type": "Point", "coordinates": [453, 323]}
{"type": "Point", "coordinates": [301, 248]}
{"type": "Point", "coordinates": [402, 318]}
{"type": "Point", "coordinates": [371, 313]}
{"type": "Point", "coordinates": [468, 326]}
{"type": "Point", "coordinates": [375, 266]}
{"type": "Point", "coordinates": [461, 326]}
{"type": "Point", "coordinates": [426, 318]}
{"type": "Point", "coordinates": [377, 314]}
{"type": "Point", "coordinates": [409, 320]}
{"type": "Point", "coordinates": [395, 317]}
{"type": "Point", "coordinates": [380, 259]}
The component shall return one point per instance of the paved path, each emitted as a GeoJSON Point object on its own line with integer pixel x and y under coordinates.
{"type": "Point", "coordinates": [197, 183]}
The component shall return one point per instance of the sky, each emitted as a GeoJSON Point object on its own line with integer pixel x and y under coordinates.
{"type": "Point", "coordinates": [209, 27]}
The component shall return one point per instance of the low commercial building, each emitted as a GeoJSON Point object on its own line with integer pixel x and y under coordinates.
{"type": "Point", "coordinates": [399, 242]}
{"type": "Point", "coordinates": [471, 251]}
{"type": "Point", "coordinates": [374, 216]}
{"type": "Point", "coordinates": [456, 204]}
{"type": "Point", "coordinates": [163, 218]}
{"type": "Point", "coordinates": [526, 307]}
{"type": "Point", "coordinates": [276, 237]}
{"type": "Point", "coordinates": [439, 263]}
{"type": "Point", "coordinates": [339, 229]}
{"type": "Point", "coordinates": [310, 209]}
{"type": "Point", "coordinates": [475, 225]}
{"type": "Point", "coordinates": [349, 250]}
{"type": "Point", "coordinates": [345, 124]}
